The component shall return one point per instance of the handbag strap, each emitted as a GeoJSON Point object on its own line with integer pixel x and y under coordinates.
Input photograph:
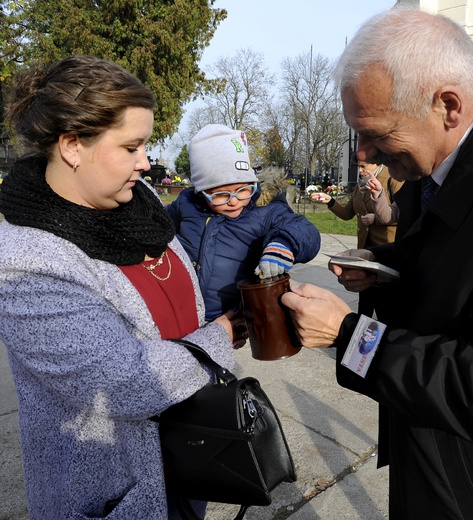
{"type": "Point", "coordinates": [223, 374]}
{"type": "Point", "coordinates": [187, 513]}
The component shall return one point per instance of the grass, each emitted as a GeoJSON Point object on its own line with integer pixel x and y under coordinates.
{"type": "Point", "coordinates": [323, 219]}
{"type": "Point", "coordinates": [327, 222]}
{"type": "Point", "coordinates": [167, 199]}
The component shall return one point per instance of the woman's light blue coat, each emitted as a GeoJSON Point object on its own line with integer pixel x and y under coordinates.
{"type": "Point", "coordinates": [90, 367]}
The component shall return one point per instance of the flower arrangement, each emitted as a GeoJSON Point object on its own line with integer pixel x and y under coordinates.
{"type": "Point", "coordinates": [336, 190]}
{"type": "Point", "coordinates": [178, 181]}
{"type": "Point", "coordinates": [166, 180]}
{"type": "Point", "coordinates": [313, 189]}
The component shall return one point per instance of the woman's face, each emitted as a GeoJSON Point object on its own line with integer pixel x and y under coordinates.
{"type": "Point", "coordinates": [108, 169]}
{"type": "Point", "coordinates": [365, 168]}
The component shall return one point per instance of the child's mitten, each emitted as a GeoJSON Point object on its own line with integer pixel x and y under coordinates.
{"type": "Point", "coordinates": [275, 260]}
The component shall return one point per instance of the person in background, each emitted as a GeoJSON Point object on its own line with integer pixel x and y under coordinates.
{"type": "Point", "coordinates": [371, 230]}
{"type": "Point", "coordinates": [94, 287]}
{"type": "Point", "coordinates": [385, 213]}
{"type": "Point", "coordinates": [227, 235]}
{"type": "Point", "coordinates": [416, 116]}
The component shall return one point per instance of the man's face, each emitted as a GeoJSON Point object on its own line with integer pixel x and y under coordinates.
{"type": "Point", "coordinates": [410, 148]}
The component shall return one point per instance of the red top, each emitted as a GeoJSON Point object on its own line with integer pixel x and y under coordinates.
{"type": "Point", "coordinates": [171, 302]}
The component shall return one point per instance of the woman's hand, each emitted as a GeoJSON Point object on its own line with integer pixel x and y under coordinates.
{"type": "Point", "coordinates": [317, 314]}
{"type": "Point", "coordinates": [235, 325]}
{"type": "Point", "coordinates": [375, 187]}
{"type": "Point", "coordinates": [321, 197]}
{"type": "Point", "coordinates": [367, 219]}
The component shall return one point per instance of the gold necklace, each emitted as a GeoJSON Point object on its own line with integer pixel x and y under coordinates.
{"type": "Point", "coordinates": [150, 268]}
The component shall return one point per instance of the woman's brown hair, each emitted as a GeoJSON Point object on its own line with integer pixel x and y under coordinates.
{"type": "Point", "coordinates": [80, 95]}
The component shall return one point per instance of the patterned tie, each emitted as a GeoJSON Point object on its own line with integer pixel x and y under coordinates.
{"type": "Point", "coordinates": [429, 187]}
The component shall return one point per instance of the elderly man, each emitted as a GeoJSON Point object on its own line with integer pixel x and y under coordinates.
{"type": "Point", "coordinates": [406, 82]}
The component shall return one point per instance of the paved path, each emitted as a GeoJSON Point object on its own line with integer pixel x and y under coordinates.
{"type": "Point", "coordinates": [331, 431]}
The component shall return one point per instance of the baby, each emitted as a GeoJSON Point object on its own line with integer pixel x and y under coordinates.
{"type": "Point", "coordinates": [226, 234]}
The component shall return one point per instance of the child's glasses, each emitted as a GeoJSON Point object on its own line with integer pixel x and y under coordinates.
{"type": "Point", "coordinates": [224, 197]}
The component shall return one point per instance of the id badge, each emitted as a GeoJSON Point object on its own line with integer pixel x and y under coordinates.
{"type": "Point", "coordinates": [363, 345]}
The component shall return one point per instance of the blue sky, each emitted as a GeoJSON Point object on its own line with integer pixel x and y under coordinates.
{"type": "Point", "coordinates": [286, 28]}
{"type": "Point", "coordinates": [280, 29]}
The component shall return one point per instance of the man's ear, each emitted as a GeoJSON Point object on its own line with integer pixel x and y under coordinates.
{"type": "Point", "coordinates": [449, 100]}
{"type": "Point", "coordinates": [68, 147]}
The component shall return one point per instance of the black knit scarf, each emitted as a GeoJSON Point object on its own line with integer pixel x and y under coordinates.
{"type": "Point", "coordinates": [121, 236]}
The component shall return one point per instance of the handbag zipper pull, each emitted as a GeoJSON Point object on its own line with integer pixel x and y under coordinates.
{"type": "Point", "coordinates": [252, 412]}
{"type": "Point", "coordinates": [255, 412]}
{"type": "Point", "coordinates": [250, 407]}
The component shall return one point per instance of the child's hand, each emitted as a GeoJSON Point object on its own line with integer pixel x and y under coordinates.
{"type": "Point", "coordinates": [375, 187]}
{"type": "Point", "coordinates": [276, 259]}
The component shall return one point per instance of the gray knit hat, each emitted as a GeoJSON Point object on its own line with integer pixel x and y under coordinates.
{"type": "Point", "coordinates": [219, 155]}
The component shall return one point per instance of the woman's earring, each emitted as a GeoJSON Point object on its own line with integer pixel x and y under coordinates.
{"type": "Point", "coordinates": [74, 167]}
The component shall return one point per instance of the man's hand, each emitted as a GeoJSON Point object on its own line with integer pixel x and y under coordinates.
{"type": "Point", "coordinates": [353, 279]}
{"type": "Point", "coordinates": [317, 314]}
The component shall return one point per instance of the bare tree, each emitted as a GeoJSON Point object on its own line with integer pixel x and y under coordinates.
{"type": "Point", "coordinates": [199, 117]}
{"type": "Point", "coordinates": [307, 117]}
{"type": "Point", "coordinates": [243, 93]}
{"type": "Point", "coordinates": [282, 117]}
{"type": "Point", "coordinates": [314, 125]}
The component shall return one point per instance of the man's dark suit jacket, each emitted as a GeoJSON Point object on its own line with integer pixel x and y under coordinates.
{"type": "Point", "coordinates": [422, 374]}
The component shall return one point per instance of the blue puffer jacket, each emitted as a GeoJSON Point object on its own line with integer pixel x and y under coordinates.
{"type": "Point", "coordinates": [225, 250]}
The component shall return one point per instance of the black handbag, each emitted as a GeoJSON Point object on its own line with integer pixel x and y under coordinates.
{"type": "Point", "coordinates": [223, 444]}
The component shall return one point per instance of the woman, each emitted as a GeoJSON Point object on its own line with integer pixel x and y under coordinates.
{"type": "Point", "coordinates": [93, 287]}
{"type": "Point", "coordinates": [372, 231]}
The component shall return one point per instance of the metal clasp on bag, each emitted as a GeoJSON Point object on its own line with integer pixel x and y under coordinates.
{"type": "Point", "coordinates": [256, 413]}
{"type": "Point", "coordinates": [251, 410]}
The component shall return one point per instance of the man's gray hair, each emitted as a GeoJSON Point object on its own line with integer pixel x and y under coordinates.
{"type": "Point", "coordinates": [421, 52]}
